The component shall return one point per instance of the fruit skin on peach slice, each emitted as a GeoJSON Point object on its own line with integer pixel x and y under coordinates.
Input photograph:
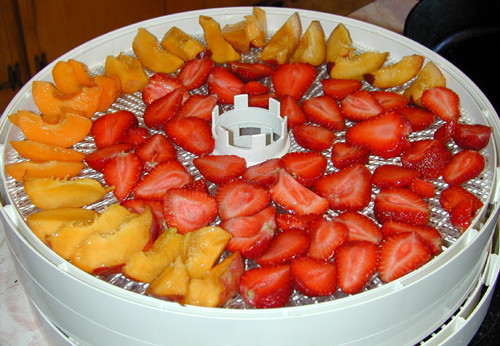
{"type": "Point", "coordinates": [311, 48]}
{"type": "Point", "coordinates": [339, 44]}
{"type": "Point", "coordinates": [129, 70]}
{"type": "Point", "coordinates": [181, 44]}
{"type": "Point", "coordinates": [44, 169]}
{"type": "Point", "coordinates": [358, 66]}
{"type": "Point", "coordinates": [429, 76]}
{"type": "Point", "coordinates": [222, 51]}
{"type": "Point", "coordinates": [38, 151]}
{"type": "Point", "coordinates": [397, 73]}
{"type": "Point", "coordinates": [172, 284]}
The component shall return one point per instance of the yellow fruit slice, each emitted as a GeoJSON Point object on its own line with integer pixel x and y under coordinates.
{"type": "Point", "coordinates": [357, 67]}
{"type": "Point", "coordinates": [44, 169]}
{"type": "Point", "coordinates": [396, 74]}
{"type": "Point", "coordinates": [181, 44]}
{"type": "Point", "coordinates": [339, 44]}
{"type": "Point", "coordinates": [222, 51]}
{"type": "Point", "coordinates": [172, 284]}
{"type": "Point", "coordinates": [429, 76]}
{"type": "Point", "coordinates": [311, 48]}
{"type": "Point", "coordinates": [37, 151]}
{"type": "Point", "coordinates": [129, 70]}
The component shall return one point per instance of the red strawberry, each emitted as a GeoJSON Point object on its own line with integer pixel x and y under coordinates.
{"type": "Point", "coordinates": [400, 204]}
{"type": "Point", "coordinates": [156, 149]}
{"type": "Point", "coordinates": [443, 102]}
{"type": "Point", "coordinates": [429, 235]}
{"type": "Point", "coordinates": [250, 71]}
{"type": "Point", "coordinates": [285, 246]}
{"type": "Point", "coordinates": [390, 100]}
{"type": "Point", "coordinates": [199, 184]}
{"type": "Point", "coordinates": [188, 210]}
{"type": "Point", "coordinates": [224, 84]}
{"type": "Point", "coordinates": [255, 88]}
{"type": "Point", "coordinates": [401, 254]}
{"type": "Point", "coordinates": [384, 135]}
{"type": "Point", "coordinates": [199, 106]}
{"type": "Point", "coordinates": [422, 188]}
{"type": "Point", "coordinates": [324, 111]}
{"type": "Point", "coordinates": [163, 176]}
{"type": "Point", "coordinates": [192, 134]}
{"type": "Point", "coordinates": [135, 135]}
{"type": "Point", "coordinates": [195, 72]}
{"type": "Point", "coordinates": [251, 234]}
{"type": "Point", "coordinates": [159, 85]}
{"type": "Point", "coordinates": [239, 197]}
{"type": "Point", "coordinates": [268, 287]}
{"type": "Point", "coordinates": [261, 101]}
{"type": "Point", "coordinates": [326, 237]}
{"type": "Point", "coordinates": [293, 79]}
{"type": "Point", "coordinates": [461, 215]}
{"type": "Point", "coordinates": [428, 156]}
{"type": "Point", "coordinates": [463, 166]}
{"type": "Point", "coordinates": [474, 137]}
{"type": "Point", "coordinates": [340, 88]}
{"type": "Point", "coordinates": [343, 155]}
{"type": "Point", "coordinates": [390, 175]}
{"type": "Point", "coordinates": [360, 227]}
{"type": "Point", "coordinates": [291, 109]}
{"type": "Point", "coordinates": [220, 168]}
{"type": "Point", "coordinates": [452, 195]}
{"type": "Point", "coordinates": [161, 110]}
{"type": "Point", "coordinates": [288, 221]}
{"type": "Point", "coordinates": [305, 166]}
{"type": "Point", "coordinates": [313, 277]}
{"type": "Point", "coordinates": [419, 118]}
{"type": "Point", "coordinates": [295, 197]}
{"type": "Point", "coordinates": [346, 189]}
{"type": "Point", "coordinates": [123, 171]}
{"type": "Point", "coordinates": [359, 106]}
{"type": "Point", "coordinates": [264, 173]}
{"type": "Point", "coordinates": [313, 137]}
{"type": "Point", "coordinates": [111, 127]}
{"type": "Point", "coordinates": [98, 158]}
{"type": "Point", "coordinates": [356, 262]}
{"type": "Point", "coordinates": [445, 132]}
{"type": "Point", "coordinates": [138, 205]}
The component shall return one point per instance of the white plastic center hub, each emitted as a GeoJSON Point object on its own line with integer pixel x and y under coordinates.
{"type": "Point", "coordinates": [254, 133]}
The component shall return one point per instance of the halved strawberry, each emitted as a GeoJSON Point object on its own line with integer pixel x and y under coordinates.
{"type": "Point", "coordinates": [266, 287]}
{"type": "Point", "coordinates": [291, 109]}
{"type": "Point", "coordinates": [313, 137]}
{"type": "Point", "coordinates": [192, 134]}
{"type": "Point", "coordinates": [340, 88]}
{"type": "Point", "coordinates": [360, 227]}
{"type": "Point", "coordinates": [138, 205]}
{"type": "Point", "coordinates": [195, 72]}
{"type": "Point", "coordinates": [288, 221]}
{"type": "Point", "coordinates": [135, 135]}
{"type": "Point", "coordinates": [247, 71]}
{"type": "Point", "coordinates": [161, 110]}
{"type": "Point", "coordinates": [356, 262]}
{"type": "Point", "coordinates": [255, 88]}
{"type": "Point", "coordinates": [347, 189]}
{"type": "Point", "coordinates": [98, 158]}
{"type": "Point", "coordinates": [123, 171]}
{"type": "Point", "coordinates": [400, 204]}
{"type": "Point", "coordinates": [419, 118]}
{"type": "Point", "coordinates": [199, 106]}
{"type": "Point", "coordinates": [110, 128]}
{"type": "Point", "coordinates": [261, 101]}
{"type": "Point", "coordinates": [313, 277]}
{"type": "Point", "coordinates": [401, 254]}
{"type": "Point", "coordinates": [224, 84]}
{"type": "Point", "coordinates": [422, 188]}
{"type": "Point", "coordinates": [293, 79]}
{"type": "Point", "coordinates": [429, 235]}
{"type": "Point", "coordinates": [344, 154]}
{"type": "Point", "coordinates": [443, 102]}
{"type": "Point", "coordinates": [305, 166]}
{"type": "Point", "coordinates": [452, 195]}
{"type": "Point", "coordinates": [294, 197]}
{"type": "Point", "coordinates": [360, 105]}
{"type": "Point", "coordinates": [154, 150]}
{"type": "Point", "coordinates": [461, 215]}
{"type": "Point", "coordinates": [159, 85]}
{"type": "Point", "coordinates": [239, 197]}
{"type": "Point", "coordinates": [264, 173]}
{"type": "Point", "coordinates": [324, 111]}
{"type": "Point", "coordinates": [220, 168]}
{"type": "Point", "coordinates": [463, 166]}
{"type": "Point", "coordinates": [285, 246]}
{"type": "Point", "coordinates": [188, 210]}
{"type": "Point", "coordinates": [474, 137]}
{"type": "Point", "coordinates": [390, 100]}
{"type": "Point", "coordinates": [163, 176]}
{"type": "Point", "coordinates": [445, 132]}
{"type": "Point", "coordinates": [427, 156]}
{"type": "Point", "coordinates": [391, 175]}
{"type": "Point", "coordinates": [326, 237]}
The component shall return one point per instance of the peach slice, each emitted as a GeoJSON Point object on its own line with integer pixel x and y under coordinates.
{"type": "Point", "coordinates": [44, 169]}
{"type": "Point", "coordinates": [152, 55]}
{"type": "Point", "coordinates": [38, 151]}
{"type": "Point", "coordinates": [129, 70]}
{"type": "Point", "coordinates": [82, 73]}
{"type": "Point", "coordinates": [311, 48]}
{"type": "Point", "coordinates": [65, 78]}
{"type": "Point", "coordinates": [339, 44]}
{"type": "Point", "coordinates": [181, 44]}
{"type": "Point", "coordinates": [429, 76]}
{"type": "Point", "coordinates": [222, 51]}
{"type": "Point", "coordinates": [283, 43]}
{"type": "Point", "coordinates": [172, 284]}
{"type": "Point", "coordinates": [51, 193]}
{"type": "Point", "coordinates": [357, 67]}
{"type": "Point", "coordinates": [259, 26]}
{"type": "Point", "coordinates": [111, 89]}
{"type": "Point", "coordinates": [396, 74]}
{"type": "Point", "coordinates": [248, 33]}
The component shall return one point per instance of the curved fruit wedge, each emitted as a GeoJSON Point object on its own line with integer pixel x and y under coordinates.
{"type": "Point", "coordinates": [65, 78]}
{"type": "Point", "coordinates": [339, 44]}
{"type": "Point", "coordinates": [172, 284]}
{"type": "Point", "coordinates": [44, 169]}
{"type": "Point", "coordinates": [82, 73]}
{"type": "Point", "coordinates": [38, 151]}
{"type": "Point", "coordinates": [311, 48]}
{"type": "Point", "coordinates": [429, 76]}
{"type": "Point", "coordinates": [248, 33]}
{"type": "Point", "coordinates": [222, 51]}
{"type": "Point", "coordinates": [111, 89]}
{"type": "Point", "coordinates": [358, 66]}
{"type": "Point", "coordinates": [129, 70]}
{"type": "Point", "coordinates": [396, 74]}
{"type": "Point", "coordinates": [181, 44]}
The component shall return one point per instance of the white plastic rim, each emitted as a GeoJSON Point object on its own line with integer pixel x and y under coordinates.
{"type": "Point", "coordinates": [93, 312]}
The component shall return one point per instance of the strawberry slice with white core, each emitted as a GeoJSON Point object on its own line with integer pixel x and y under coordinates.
{"type": "Point", "coordinates": [429, 235]}
{"type": "Point", "coordinates": [400, 204]}
{"type": "Point", "coordinates": [288, 221]}
{"type": "Point", "coordinates": [161, 84]}
{"type": "Point", "coordinates": [313, 277]}
{"type": "Point", "coordinates": [340, 88]}
{"type": "Point", "coordinates": [195, 72]}
{"type": "Point", "coordinates": [291, 109]}
{"type": "Point", "coordinates": [191, 134]}
{"type": "Point", "coordinates": [313, 137]}
{"type": "Point", "coordinates": [293, 79]}
{"type": "Point", "coordinates": [305, 166]}
{"type": "Point", "coordinates": [285, 246]}
{"type": "Point", "coordinates": [463, 166]}
{"type": "Point", "coordinates": [199, 106]}
{"type": "Point", "coordinates": [390, 100]}
{"type": "Point", "coordinates": [161, 110]}
{"type": "Point", "coordinates": [390, 175]}
{"type": "Point", "coordinates": [360, 227]}
{"type": "Point", "coordinates": [423, 188]}
{"type": "Point", "coordinates": [343, 155]}
{"type": "Point", "coordinates": [360, 105]}
{"type": "Point", "coordinates": [224, 84]}
{"type": "Point", "coordinates": [443, 102]}
{"type": "Point", "coordinates": [154, 150]}
{"type": "Point", "coordinates": [324, 111]}
{"type": "Point", "coordinates": [220, 168]}
{"type": "Point", "coordinates": [250, 71]}
{"type": "Point", "coordinates": [255, 88]}
{"type": "Point", "coordinates": [98, 158]}
{"type": "Point", "coordinates": [326, 237]}
{"type": "Point", "coordinates": [135, 136]}
{"type": "Point", "coordinates": [264, 173]}
{"type": "Point", "coordinates": [419, 118]}
{"type": "Point", "coordinates": [475, 137]}
{"type": "Point", "coordinates": [111, 127]}
{"type": "Point", "coordinates": [123, 171]}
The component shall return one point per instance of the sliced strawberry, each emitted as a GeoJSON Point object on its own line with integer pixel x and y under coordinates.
{"type": "Point", "coordinates": [313, 137]}
{"type": "Point", "coordinates": [251, 234]}
{"type": "Point", "coordinates": [163, 176]}
{"type": "Point", "coordinates": [268, 287]}
{"type": "Point", "coordinates": [313, 277]}
{"type": "Point", "coordinates": [463, 166]}
{"type": "Point", "coordinates": [195, 72]}
{"type": "Point", "coordinates": [340, 88]}
{"type": "Point", "coordinates": [161, 110]}
{"type": "Point", "coordinates": [159, 85]}
{"type": "Point", "coordinates": [261, 101]}
{"type": "Point", "coordinates": [475, 137]}
{"type": "Point", "coordinates": [305, 166]}
{"type": "Point", "coordinates": [343, 155]}
{"type": "Point", "coordinates": [356, 262]}
{"type": "Point", "coordinates": [295, 197]}
{"type": "Point", "coordinates": [445, 132]}
{"type": "Point", "coordinates": [391, 175]}
{"type": "Point", "coordinates": [188, 210]}
{"type": "Point", "coordinates": [452, 195]}
{"type": "Point", "coordinates": [264, 173]}
{"type": "Point", "coordinates": [239, 197]}
{"type": "Point", "coordinates": [199, 184]}
{"type": "Point", "coordinates": [220, 168]}
{"type": "Point", "coordinates": [111, 127]}
{"type": "Point", "coordinates": [98, 158]}
{"type": "Point", "coordinates": [285, 246]}
{"type": "Point", "coordinates": [401, 254]}
{"type": "Point", "coordinates": [429, 235]}
{"type": "Point", "coordinates": [123, 171]}
{"type": "Point", "coordinates": [293, 79]}
{"type": "Point", "coordinates": [360, 227]}
{"type": "Point", "coordinates": [443, 102]}
{"type": "Point", "coordinates": [199, 106]}
{"type": "Point", "coordinates": [138, 205]}
{"type": "Point", "coordinates": [390, 100]}
{"type": "Point", "coordinates": [347, 189]}
{"type": "Point", "coordinates": [419, 118]}
{"type": "Point", "coordinates": [462, 214]}
{"type": "Point", "coordinates": [191, 134]}
{"type": "Point", "coordinates": [324, 111]}
{"type": "Point", "coordinates": [156, 149]}
{"type": "Point", "coordinates": [326, 237]}
{"type": "Point", "coordinates": [255, 88]}
{"type": "Point", "coordinates": [135, 135]}
{"type": "Point", "coordinates": [360, 105]}
{"type": "Point", "coordinates": [422, 188]}
{"type": "Point", "coordinates": [224, 84]}
{"type": "Point", "coordinates": [400, 204]}
{"type": "Point", "coordinates": [250, 71]}
{"type": "Point", "coordinates": [291, 109]}
{"type": "Point", "coordinates": [428, 156]}
{"type": "Point", "coordinates": [288, 221]}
